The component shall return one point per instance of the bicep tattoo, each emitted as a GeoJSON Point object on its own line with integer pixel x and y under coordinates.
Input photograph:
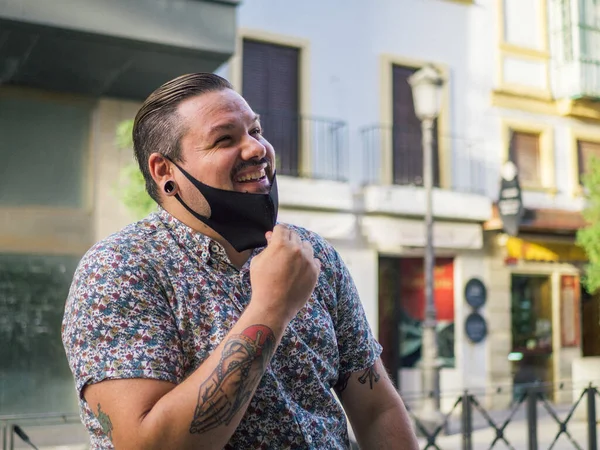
{"type": "Point", "coordinates": [105, 422]}
{"type": "Point", "coordinates": [342, 383]}
{"type": "Point", "coordinates": [370, 376]}
{"type": "Point", "coordinates": [244, 359]}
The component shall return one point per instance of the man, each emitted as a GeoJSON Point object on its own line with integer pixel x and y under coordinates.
{"type": "Point", "coordinates": [207, 326]}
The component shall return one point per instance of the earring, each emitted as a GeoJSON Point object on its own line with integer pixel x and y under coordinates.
{"type": "Point", "coordinates": [169, 187]}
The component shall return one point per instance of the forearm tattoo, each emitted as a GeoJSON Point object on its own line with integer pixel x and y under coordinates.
{"type": "Point", "coordinates": [105, 422]}
{"type": "Point", "coordinates": [243, 361]}
{"type": "Point", "coordinates": [369, 375]}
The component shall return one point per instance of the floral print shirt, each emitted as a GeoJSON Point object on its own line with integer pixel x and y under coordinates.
{"type": "Point", "coordinates": [155, 299]}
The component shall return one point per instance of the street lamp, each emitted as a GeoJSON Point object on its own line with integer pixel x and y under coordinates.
{"type": "Point", "coordinates": [427, 85]}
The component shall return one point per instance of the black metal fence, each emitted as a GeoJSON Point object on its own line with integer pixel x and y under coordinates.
{"type": "Point", "coordinates": [306, 146]}
{"type": "Point", "coordinates": [28, 429]}
{"type": "Point", "coordinates": [532, 422]}
{"type": "Point", "coordinates": [396, 155]}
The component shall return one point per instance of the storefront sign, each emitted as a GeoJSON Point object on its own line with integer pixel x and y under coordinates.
{"type": "Point", "coordinates": [570, 308]}
{"type": "Point", "coordinates": [510, 203]}
{"type": "Point", "coordinates": [475, 293]}
{"type": "Point", "coordinates": [476, 327]}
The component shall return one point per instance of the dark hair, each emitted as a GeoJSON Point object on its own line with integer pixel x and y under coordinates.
{"type": "Point", "coordinates": [156, 128]}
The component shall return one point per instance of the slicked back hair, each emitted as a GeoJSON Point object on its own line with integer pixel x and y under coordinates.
{"type": "Point", "coordinates": [157, 127]}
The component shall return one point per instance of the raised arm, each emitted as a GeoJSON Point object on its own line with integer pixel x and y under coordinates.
{"type": "Point", "coordinates": [204, 410]}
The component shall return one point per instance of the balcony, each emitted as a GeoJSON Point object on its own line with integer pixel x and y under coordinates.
{"type": "Point", "coordinates": [112, 48]}
{"type": "Point", "coordinates": [312, 159]}
{"type": "Point", "coordinates": [575, 34]}
{"type": "Point", "coordinates": [393, 175]}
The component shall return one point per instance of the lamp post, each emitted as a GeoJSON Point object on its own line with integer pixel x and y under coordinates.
{"type": "Point", "coordinates": [427, 85]}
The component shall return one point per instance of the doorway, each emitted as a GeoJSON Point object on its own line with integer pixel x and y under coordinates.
{"type": "Point", "coordinates": [531, 314]}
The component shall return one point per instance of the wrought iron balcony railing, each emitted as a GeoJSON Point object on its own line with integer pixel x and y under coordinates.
{"type": "Point", "coordinates": [307, 147]}
{"type": "Point", "coordinates": [395, 156]}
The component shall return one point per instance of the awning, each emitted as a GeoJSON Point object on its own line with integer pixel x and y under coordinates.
{"type": "Point", "coordinates": [111, 47]}
{"type": "Point", "coordinates": [545, 251]}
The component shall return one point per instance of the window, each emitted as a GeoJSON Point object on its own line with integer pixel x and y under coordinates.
{"type": "Point", "coordinates": [44, 148]}
{"type": "Point", "coordinates": [36, 376]}
{"type": "Point", "coordinates": [523, 47]}
{"type": "Point", "coordinates": [525, 153]}
{"type": "Point", "coordinates": [407, 155]}
{"type": "Point", "coordinates": [586, 150]}
{"type": "Point", "coordinates": [270, 84]}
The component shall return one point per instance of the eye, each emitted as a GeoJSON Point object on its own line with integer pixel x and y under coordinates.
{"type": "Point", "coordinates": [223, 139]}
{"type": "Point", "coordinates": [255, 131]}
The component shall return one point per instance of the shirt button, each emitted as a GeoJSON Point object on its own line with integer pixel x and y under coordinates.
{"type": "Point", "coordinates": [309, 439]}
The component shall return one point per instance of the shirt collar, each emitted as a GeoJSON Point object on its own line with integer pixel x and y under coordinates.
{"type": "Point", "coordinates": [206, 248]}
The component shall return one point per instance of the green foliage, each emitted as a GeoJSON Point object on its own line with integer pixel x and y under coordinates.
{"type": "Point", "coordinates": [124, 138]}
{"type": "Point", "coordinates": [588, 238]}
{"type": "Point", "coordinates": [131, 190]}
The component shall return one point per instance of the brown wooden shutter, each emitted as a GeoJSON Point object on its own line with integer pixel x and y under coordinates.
{"type": "Point", "coordinates": [407, 144]}
{"type": "Point", "coordinates": [585, 151]}
{"type": "Point", "coordinates": [270, 84]}
{"type": "Point", "coordinates": [526, 155]}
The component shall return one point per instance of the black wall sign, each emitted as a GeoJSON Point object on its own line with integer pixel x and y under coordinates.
{"type": "Point", "coordinates": [476, 327]}
{"type": "Point", "coordinates": [475, 293]}
{"type": "Point", "coordinates": [510, 203]}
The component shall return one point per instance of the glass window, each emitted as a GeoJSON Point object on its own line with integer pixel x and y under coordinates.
{"type": "Point", "coordinates": [585, 152]}
{"type": "Point", "coordinates": [34, 374]}
{"type": "Point", "coordinates": [44, 150]}
{"type": "Point", "coordinates": [525, 152]}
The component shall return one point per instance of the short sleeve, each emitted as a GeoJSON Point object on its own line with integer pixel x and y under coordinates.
{"type": "Point", "coordinates": [357, 346]}
{"type": "Point", "coordinates": [117, 322]}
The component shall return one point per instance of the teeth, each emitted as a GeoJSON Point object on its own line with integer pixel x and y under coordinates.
{"type": "Point", "coordinates": [253, 176]}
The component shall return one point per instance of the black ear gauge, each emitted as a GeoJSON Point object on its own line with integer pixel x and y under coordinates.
{"type": "Point", "coordinates": [169, 187]}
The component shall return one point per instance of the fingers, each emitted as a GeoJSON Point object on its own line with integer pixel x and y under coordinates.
{"type": "Point", "coordinates": [290, 238]}
{"type": "Point", "coordinates": [280, 233]}
{"type": "Point", "coordinates": [307, 248]}
{"type": "Point", "coordinates": [317, 264]}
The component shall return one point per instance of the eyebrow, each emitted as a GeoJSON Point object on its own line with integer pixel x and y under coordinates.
{"type": "Point", "coordinates": [230, 125]}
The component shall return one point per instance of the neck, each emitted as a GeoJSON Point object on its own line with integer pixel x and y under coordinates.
{"type": "Point", "coordinates": [238, 259]}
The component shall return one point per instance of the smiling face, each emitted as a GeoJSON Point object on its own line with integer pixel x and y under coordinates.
{"type": "Point", "coordinates": [223, 145]}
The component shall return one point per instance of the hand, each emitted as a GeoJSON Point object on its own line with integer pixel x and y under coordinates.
{"type": "Point", "coordinates": [284, 275]}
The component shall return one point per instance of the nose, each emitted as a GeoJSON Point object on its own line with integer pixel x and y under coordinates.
{"type": "Point", "coordinates": [253, 149]}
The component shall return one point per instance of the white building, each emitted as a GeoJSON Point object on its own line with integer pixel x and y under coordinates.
{"type": "Point", "coordinates": [514, 75]}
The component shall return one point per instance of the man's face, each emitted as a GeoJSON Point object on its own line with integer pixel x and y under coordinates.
{"type": "Point", "coordinates": [223, 145]}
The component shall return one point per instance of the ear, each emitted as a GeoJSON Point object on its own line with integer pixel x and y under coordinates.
{"type": "Point", "coordinates": [160, 169]}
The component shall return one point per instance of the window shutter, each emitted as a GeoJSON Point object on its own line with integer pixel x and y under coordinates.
{"type": "Point", "coordinates": [254, 80]}
{"type": "Point", "coordinates": [406, 133]}
{"type": "Point", "coordinates": [526, 148]}
{"type": "Point", "coordinates": [585, 152]}
{"type": "Point", "coordinates": [271, 86]}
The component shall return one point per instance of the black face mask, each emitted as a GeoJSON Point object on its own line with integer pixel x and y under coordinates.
{"type": "Point", "coordinates": [241, 218]}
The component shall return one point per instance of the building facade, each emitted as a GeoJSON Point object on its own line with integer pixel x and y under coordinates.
{"type": "Point", "coordinates": [330, 81]}
{"type": "Point", "coordinates": [521, 86]}
{"type": "Point", "coordinates": [70, 72]}
{"type": "Point", "coordinates": [335, 101]}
